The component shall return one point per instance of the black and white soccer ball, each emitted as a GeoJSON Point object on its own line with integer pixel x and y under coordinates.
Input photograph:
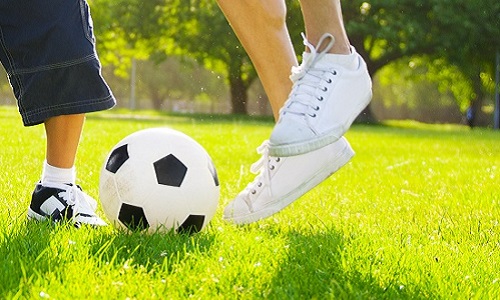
{"type": "Point", "coordinates": [159, 179]}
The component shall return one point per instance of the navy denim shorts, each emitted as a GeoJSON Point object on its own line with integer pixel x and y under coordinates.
{"type": "Point", "coordinates": [47, 48]}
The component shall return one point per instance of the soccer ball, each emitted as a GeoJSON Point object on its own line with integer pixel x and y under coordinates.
{"type": "Point", "coordinates": [159, 179]}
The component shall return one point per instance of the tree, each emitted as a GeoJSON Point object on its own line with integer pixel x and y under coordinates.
{"type": "Point", "coordinates": [471, 39]}
{"type": "Point", "coordinates": [383, 31]}
{"type": "Point", "coordinates": [463, 33]}
{"type": "Point", "coordinates": [163, 28]}
{"type": "Point", "coordinates": [127, 29]}
{"type": "Point", "coordinates": [201, 31]}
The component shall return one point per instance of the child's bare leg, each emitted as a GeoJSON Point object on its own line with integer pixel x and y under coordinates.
{"type": "Point", "coordinates": [63, 136]}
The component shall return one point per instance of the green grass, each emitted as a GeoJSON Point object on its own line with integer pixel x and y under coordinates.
{"type": "Point", "coordinates": [415, 214]}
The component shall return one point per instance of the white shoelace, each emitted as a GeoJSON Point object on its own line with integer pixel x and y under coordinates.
{"type": "Point", "coordinates": [80, 203]}
{"type": "Point", "coordinates": [306, 78]}
{"type": "Point", "coordinates": [263, 168]}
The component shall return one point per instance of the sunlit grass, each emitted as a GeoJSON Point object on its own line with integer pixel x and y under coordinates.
{"type": "Point", "coordinates": [415, 214]}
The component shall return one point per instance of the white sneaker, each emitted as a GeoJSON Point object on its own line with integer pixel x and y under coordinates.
{"type": "Point", "coordinates": [282, 180]}
{"type": "Point", "coordinates": [325, 99]}
{"type": "Point", "coordinates": [60, 202]}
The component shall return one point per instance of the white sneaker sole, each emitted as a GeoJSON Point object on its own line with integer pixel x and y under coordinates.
{"type": "Point", "coordinates": [344, 155]}
{"type": "Point", "coordinates": [92, 221]}
{"type": "Point", "coordinates": [321, 141]}
{"type": "Point", "coordinates": [32, 215]}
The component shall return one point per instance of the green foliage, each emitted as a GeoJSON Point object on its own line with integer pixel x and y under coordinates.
{"type": "Point", "coordinates": [461, 31]}
{"type": "Point", "coordinates": [129, 30]}
{"type": "Point", "coordinates": [174, 79]}
{"type": "Point", "coordinates": [462, 34]}
{"type": "Point", "coordinates": [167, 27]}
{"type": "Point", "coordinates": [405, 73]}
{"type": "Point", "coordinates": [415, 215]}
{"type": "Point", "coordinates": [455, 39]}
{"type": "Point", "coordinates": [470, 30]}
{"type": "Point", "coordinates": [161, 28]}
{"type": "Point", "coordinates": [471, 40]}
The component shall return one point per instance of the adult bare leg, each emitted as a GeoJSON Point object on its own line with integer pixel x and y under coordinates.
{"type": "Point", "coordinates": [260, 26]}
{"type": "Point", "coordinates": [329, 89]}
{"type": "Point", "coordinates": [325, 16]}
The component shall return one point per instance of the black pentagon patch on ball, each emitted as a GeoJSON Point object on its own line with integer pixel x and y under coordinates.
{"type": "Point", "coordinates": [213, 172]}
{"type": "Point", "coordinates": [170, 171]}
{"type": "Point", "coordinates": [117, 158]}
{"type": "Point", "coordinates": [133, 217]}
{"type": "Point", "coordinates": [192, 224]}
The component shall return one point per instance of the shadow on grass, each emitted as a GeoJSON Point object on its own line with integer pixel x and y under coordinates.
{"type": "Point", "coordinates": [33, 251]}
{"type": "Point", "coordinates": [316, 268]}
{"type": "Point", "coordinates": [25, 254]}
{"type": "Point", "coordinates": [148, 250]}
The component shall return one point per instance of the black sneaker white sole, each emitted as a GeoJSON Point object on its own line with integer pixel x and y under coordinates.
{"type": "Point", "coordinates": [63, 202]}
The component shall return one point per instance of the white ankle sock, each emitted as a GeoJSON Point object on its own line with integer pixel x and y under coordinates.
{"type": "Point", "coordinates": [348, 61]}
{"type": "Point", "coordinates": [51, 174]}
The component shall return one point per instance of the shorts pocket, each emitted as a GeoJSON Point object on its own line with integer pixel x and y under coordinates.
{"type": "Point", "coordinates": [87, 21]}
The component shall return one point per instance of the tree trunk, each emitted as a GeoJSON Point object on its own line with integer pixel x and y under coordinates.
{"type": "Point", "coordinates": [366, 116]}
{"type": "Point", "coordinates": [476, 104]}
{"type": "Point", "coordinates": [237, 87]}
{"type": "Point", "coordinates": [239, 96]}
{"type": "Point", "coordinates": [156, 99]}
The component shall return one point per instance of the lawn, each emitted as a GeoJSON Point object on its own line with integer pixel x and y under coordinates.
{"type": "Point", "coordinates": [415, 214]}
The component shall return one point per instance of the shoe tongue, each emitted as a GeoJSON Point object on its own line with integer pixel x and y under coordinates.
{"type": "Point", "coordinates": [309, 83]}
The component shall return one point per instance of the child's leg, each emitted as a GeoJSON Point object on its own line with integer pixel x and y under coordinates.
{"type": "Point", "coordinates": [49, 54]}
{"type": "Point", "coordinates": [63, 136]}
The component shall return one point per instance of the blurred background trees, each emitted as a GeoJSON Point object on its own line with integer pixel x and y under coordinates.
{"type": "Point", "coordinates": [430, 59]}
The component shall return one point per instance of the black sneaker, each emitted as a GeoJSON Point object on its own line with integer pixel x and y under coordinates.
{"type": "Point", "coordinates": [59, 202]}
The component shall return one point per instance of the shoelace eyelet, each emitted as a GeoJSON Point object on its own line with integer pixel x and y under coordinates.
{"type": "Point", "coordinates": [320, 98]}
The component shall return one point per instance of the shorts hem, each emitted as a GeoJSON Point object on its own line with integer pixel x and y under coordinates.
{"type": "Point", "coordinates": [31, 118]}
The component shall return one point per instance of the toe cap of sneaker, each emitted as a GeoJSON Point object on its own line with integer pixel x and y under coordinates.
{"type": "Point", "coordinates": [289, 131]}
{"type": "Point", "coordinates": [236, 209]}
{"type": "Point", "coordinates": [89, 220]}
